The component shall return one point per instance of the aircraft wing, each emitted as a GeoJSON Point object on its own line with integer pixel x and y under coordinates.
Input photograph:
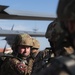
{"type": "Point", "coordinates": [6, 13]}
{"type": "Point", "coordinates": [15, 32]}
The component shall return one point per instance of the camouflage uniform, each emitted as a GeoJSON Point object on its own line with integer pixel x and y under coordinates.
{"type": "Point", "coordinates": [18, 64]}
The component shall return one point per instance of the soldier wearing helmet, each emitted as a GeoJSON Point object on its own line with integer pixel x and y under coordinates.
{"type": "Point", "coordinates": [62, 48]}
{"type": "Point", "coordinates": [39, 57]}
{"type": "Point", "coordinates": [19, 63]}
{"type": "Point", "coordinates": [65, 65]}
{"type": "Point", "coordinates": [22, 41]}
{"type": "Point", "coordinates": [36, 55]}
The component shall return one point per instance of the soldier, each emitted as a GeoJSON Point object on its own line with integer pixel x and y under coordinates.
{"type": "Point", "coordinates": [19, 63]}
{"type": "Point", "coordinates": [40, 57]}
{"type": "Point", "coordinates": [65, 65]}
{"type": "Point", "coordinates": [35, 52]}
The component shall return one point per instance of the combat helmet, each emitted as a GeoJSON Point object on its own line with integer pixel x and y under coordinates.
{"type": "Point", "coordinates": [23, 39]}
{"type": "Point", "coordinates": [36, 43]}
{"type": "Point", "coordinates": [54, 30]}
{"type": "Point", "coordinates": [55, 33]}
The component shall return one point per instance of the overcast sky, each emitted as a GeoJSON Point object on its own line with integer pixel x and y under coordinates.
{"type": "Point", "coordinates": [41, 6]}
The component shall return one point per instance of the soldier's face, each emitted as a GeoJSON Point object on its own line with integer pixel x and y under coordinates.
{"type": "Point", "coordinates": [24, 50]}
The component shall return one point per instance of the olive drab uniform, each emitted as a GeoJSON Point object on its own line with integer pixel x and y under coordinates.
{"type": "Point", "coordinates": [18, 64]}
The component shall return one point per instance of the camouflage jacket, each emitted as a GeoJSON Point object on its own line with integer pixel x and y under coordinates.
{"type": "Point", "coordinates": [13, 66]}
